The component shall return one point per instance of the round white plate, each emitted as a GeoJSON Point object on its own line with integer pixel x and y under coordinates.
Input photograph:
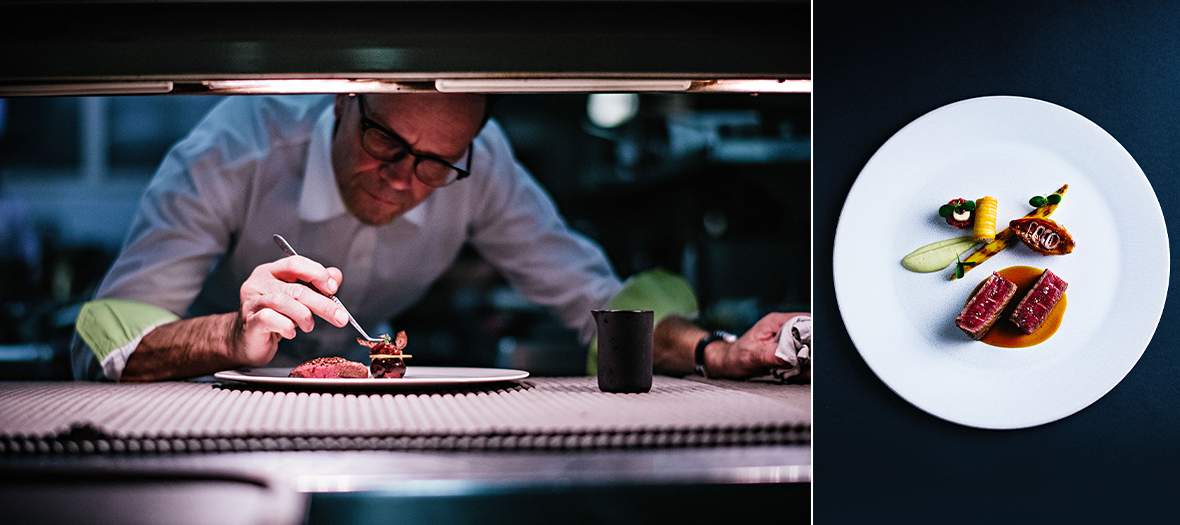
{"type": "Point", "coordinates": [416, 376]}
{"type": "Point", "coordinates": [1011, 148]}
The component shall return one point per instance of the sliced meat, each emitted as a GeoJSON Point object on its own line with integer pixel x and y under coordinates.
{"type": "Point", "coordinates": [985, 307]}
{"type": "Point", "coordinates": [330, 368]}
{"type": "Point", "coordinates": [1044, 236]}
{"type": "Point", "coordinates": [1034, 308]}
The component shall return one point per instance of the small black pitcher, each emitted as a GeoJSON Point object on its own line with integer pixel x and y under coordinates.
{"type": "Point", "coordinates": [624, 350]}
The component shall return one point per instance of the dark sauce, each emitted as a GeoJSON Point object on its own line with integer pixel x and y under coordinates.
{"type": "Point", "coordinates": [1004, 333]}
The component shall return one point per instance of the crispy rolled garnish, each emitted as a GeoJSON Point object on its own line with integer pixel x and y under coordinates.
{"type": "Point", "coordinates": [986, 210]}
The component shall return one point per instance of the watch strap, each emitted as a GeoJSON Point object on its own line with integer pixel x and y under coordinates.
{"type": "Point", "coordinates": [699, 355]}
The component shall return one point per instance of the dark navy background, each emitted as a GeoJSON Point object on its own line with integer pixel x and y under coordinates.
{"type": "Point", "coordinates": [876, 68]}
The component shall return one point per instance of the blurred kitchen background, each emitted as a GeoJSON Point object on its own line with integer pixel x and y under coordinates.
{"type": "Point", "coordinates": [714, 187]}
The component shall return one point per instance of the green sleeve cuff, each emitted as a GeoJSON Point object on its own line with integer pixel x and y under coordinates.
{"type": "Point", "coordinates": [661, 291]}
{"type": "Point", "coordinates": [107, 325]}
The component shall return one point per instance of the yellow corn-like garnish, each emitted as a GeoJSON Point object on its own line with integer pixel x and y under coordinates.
{"type": "Point", "coordinates": [1005, 237]}
{"type": "Point", "coordinates": [986, 209]}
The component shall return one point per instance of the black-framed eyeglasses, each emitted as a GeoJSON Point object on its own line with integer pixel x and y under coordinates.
{"type": "Point", "coordinates": [386, 146]}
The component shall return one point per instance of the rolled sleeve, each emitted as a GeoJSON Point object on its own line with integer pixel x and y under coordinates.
{"type": "Point", "coordinates": [107, 332]}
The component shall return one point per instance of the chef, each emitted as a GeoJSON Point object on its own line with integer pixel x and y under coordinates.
{"type": "Point", "coordinates": [377, 193]}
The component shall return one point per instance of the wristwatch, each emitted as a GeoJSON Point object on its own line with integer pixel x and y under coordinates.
{"type": "Point", "coordinates": [716, 335]}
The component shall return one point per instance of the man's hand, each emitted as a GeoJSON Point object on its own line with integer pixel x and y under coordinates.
{"type": "Point", "coordinates": [273, 304]}
{"type": "Point", "coordinates": [751, 355]}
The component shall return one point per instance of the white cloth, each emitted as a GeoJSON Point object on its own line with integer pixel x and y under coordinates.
{"type": "Point", "coordinates": [794, 347]}
{"type": "Point", "coordinates": [260, 165]}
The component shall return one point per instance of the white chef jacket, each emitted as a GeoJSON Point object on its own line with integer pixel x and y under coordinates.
{"type": "Point", "coordinates": [260, 165]}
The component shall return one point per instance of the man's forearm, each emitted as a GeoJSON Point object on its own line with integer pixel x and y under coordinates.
{"type": "Point", "coordinates": [674, 345]}
{"type": "Point", "coordinates": [184, 349]}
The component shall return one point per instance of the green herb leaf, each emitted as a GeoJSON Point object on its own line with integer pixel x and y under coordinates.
{"type": "Point", "coordinates": [945, 210]}
{"type": "Point", "coordinates": [969, 205]}
{"type": "Point", "coordinates": [1054, 198]}
{"type": "Point", "coordinates": [1037, 201]}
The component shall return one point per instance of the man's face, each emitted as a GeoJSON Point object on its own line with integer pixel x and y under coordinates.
{"type": "Point", "coordinates": [440, 125]}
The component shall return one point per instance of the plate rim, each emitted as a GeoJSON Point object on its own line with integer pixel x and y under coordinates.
{"type": "Point", "coordinates": [237, 375]}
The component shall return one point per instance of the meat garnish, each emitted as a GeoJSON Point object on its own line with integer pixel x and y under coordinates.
{"type": "Point", "coordinates": [330, 368]}
{"type": "Point", "coordinates": [985, 307]}
{"type": "Point", "coordinates": [1036, 305]}
{"type": "Point", "coordinates": [1043, 236]}
{"type": "Point", "coordinates": [386, 355]}
{"type": "Point", "coordinates": [386, 344]}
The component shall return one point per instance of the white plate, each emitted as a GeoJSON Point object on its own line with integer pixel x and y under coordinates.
{"type": "Point", "coordinates": [416, 376]}
{"type": "Point", "coordinates": [903, 323]}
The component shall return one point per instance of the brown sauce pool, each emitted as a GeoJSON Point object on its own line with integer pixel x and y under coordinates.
{"type": "Point", "coordinates": [1004, 333]}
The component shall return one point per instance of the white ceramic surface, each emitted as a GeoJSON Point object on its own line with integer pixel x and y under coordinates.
{"type": "Point", "coordinates": [1011, 148]}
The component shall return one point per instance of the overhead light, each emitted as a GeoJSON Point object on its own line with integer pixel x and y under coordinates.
{"type": "Point", "coordinates": [592, 85]}
{"type": "Point", "coordinates": [309, 85]}
{"type": "Point", "coordinates": [753, 86]}
{"type": "Point", "coordinates": [556, 85]}
{"type": "Point", "coordinates": [85, 88]}
{"type": "Point", "coordinates": [608, 110]}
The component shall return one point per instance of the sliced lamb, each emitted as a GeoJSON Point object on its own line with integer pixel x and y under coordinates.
{"type": "Point", "coordinates": [985, 307]}
{"type": "Point", "coordinates": [1034, 308]}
